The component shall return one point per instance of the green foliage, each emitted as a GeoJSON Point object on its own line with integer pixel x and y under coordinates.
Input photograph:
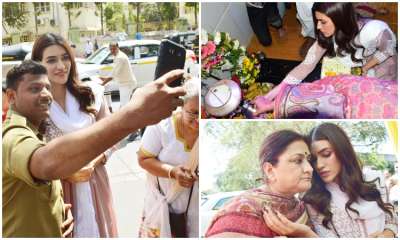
{"type": "Point", "coordinates": [114, 15]}
{"type": "Point", "coordinates": [14, 14]}
{"type": "Point", "coordinates": [243, 169]}
{"type": "Point", "coordinates": [168, 12]}
{"type": "Point", "coordinates": [182, 24]}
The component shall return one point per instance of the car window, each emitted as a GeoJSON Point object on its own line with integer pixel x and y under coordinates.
{"type": "Point", "coordinates": [129, 52]}
{"type": "Point", "coordinates": [148, 50]}
{"type": "Point", "coordinates": [221, 203]}
{"type": "Point", "coordinates": [99, 56]}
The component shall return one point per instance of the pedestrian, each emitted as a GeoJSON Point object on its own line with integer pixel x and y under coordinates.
{"type": "Point", "coordinates": [122, 73]}
{"type": "Point", "coordinates": [88, 48]}
{"type": "Point", "coordinates": [96, 45]}
{"type": "Point", "coordinates": [32, 193]}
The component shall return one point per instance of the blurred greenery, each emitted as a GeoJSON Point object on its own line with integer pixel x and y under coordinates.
{"type": "Point", "coordinates": [243, 170]}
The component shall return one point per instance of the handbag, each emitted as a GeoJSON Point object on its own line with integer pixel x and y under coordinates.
{"type": "Point", "coordinates": [177, 221]}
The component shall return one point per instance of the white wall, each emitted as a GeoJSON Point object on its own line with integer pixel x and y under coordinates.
{"type": "Point", "coordinates": [227, 17]}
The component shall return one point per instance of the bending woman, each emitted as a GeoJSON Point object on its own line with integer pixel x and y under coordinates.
{"type": "Point", "coordinates": [169, 153]}
{"type": "Point", "coordinates": [340, 202]}
{"type": "Point", "coordinates": [365, 43]}
{"type": "Point", "coordinates": [76, 106]}
{"type": "Point", "coordinates": [284, 160]}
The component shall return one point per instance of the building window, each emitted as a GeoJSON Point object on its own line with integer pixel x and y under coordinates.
{"type": "Point", "coordinates": [42, 7]}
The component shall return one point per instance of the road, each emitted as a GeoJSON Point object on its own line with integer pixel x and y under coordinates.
{"type": "Point", "coordinates": [127, 184]}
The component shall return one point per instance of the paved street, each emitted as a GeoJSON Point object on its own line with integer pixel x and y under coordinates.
{"type": "Point", "coordinates": [127, 184]}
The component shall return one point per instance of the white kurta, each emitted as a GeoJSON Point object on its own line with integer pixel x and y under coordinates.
{"type": "Point", "coordinates": [347, 223]}
{"type": "Point", "coordinates": [161, 140]}
{"type": "Point", "coordinates": [73, 119]}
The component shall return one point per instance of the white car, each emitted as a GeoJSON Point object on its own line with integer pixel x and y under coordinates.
{"type": "Point", "coordinates": [143, 58]}
{"type": "Point", "coordinates": [210, 204]}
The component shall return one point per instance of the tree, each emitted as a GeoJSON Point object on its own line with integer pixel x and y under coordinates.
{"type": "Point", "coordinates": [99, 6]}
{"type": "Point", "coordinates": [169, 12]}
{"type": "Point", "coordinates": [14, 15]}
{"type": "Point", "coordinates": [69, 6]}
{"type": "Point", "coordinates": [114, 16]}
{"type": "Point", "coordinates": [137, 6]}
{"type": "Point", "coordinates": [193, 5]}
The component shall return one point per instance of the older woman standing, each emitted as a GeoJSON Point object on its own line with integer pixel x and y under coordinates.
{"type": "Point", "coordinates": [171, 202]}
{"type": "Point", "coordinates": [284, 160]}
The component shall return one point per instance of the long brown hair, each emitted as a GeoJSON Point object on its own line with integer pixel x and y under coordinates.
{"type": "Point", "coordinates": [346, 28]}
{"type": "Point", "coordinates": [351, 180]}
{"type": "Point", "coordinates": [83, 94]}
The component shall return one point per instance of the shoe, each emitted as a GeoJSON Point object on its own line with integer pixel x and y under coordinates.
{"type": "Point", "coordinates": [308, 42]}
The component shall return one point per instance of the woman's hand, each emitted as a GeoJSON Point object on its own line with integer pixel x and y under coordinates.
{"type": "Point", "coordinates": [183, 175]}
{"type": "Point", "coordinates": [384, 234]}
{"type": "Point", "coordinates": [68, 225]}
{"type": "Point", "coordinates": [283, 226]}
{"type": "Point", "coordinates": [83, 175]}
{"type": "Point", "coordinates": [262, 105]}
{"type": "Point", "coordinates": [266, 103]}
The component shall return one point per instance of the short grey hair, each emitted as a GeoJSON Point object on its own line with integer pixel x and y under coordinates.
{"type": "Point", "coordinates": [192, 89]}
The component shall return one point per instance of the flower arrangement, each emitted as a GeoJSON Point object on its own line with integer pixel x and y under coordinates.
{"type": "Point", "coordinates": [220, 52]}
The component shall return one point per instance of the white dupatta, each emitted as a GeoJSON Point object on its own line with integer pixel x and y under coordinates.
{"type": "Point", "coordinates": [69, 121]}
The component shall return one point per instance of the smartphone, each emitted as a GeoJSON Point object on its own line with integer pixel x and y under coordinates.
{"type": "Point", "coordinates": [170, 56]}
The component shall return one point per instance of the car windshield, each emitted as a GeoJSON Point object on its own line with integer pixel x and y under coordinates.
{"type": "Point", "coordinates": [98, 56]}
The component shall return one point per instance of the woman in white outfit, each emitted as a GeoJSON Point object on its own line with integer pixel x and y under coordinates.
{"type": "Point", "coordinates": [169, 154]}
{"type": "Point", "coordinates": [77, 106]}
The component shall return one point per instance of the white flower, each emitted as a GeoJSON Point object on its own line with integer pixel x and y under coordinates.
{"type": "Point", "coordinates": [227, 37]}
{"type": "Point", "coordinates": [204, 37]}
{"type": "Point", "coordinates": [217, 38]}
{"type": "Point", "coordinates": [228, 65]}
{"type": "Point", "coordinates": [243, 49]}
{"type": "Point", "coordinates": [235, 44]}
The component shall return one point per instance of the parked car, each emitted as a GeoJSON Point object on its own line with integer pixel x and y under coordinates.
{"type": "Point", "coordinates": [190, 40]}
{"type": "Point", "coordinates": [211, 204]}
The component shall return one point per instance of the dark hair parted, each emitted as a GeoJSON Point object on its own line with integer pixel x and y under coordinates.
{"type": "Point", "coordinates": [16, 74]}
{"type": "Point", "coordinates": [83, 94]}
{"type": "Point", "coordinates": [351, 180]}
{"type": "Point", "coordinates": [276, 143]}
{"type": "Point", "coordinates": [346, 28]}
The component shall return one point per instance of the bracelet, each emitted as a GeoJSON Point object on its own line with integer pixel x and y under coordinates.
{"type": "Point", "coordinates": [169, 172]}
